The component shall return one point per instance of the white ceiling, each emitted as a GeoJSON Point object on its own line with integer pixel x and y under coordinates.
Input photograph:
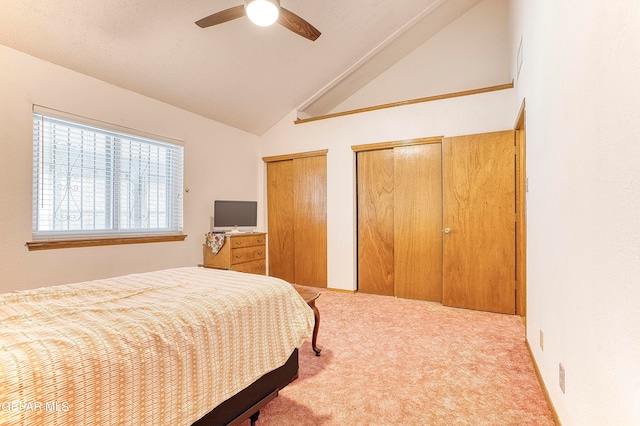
{"type": "Point", "coordinates": [235, 73]}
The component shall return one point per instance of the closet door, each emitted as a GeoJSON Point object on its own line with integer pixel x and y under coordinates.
{"type": "Point", "coordinates": [400, 219]}
{"type": "Point", "coordinates": [280, 219]}
{"type": "Point", "coordinates": [417, 222]}
{"type": "Point", "coordinates": [310, 220]}
{"type": "Point", "coordinates": [375, 221]}
{"type": "Point", "coordinates": [297, 217]}
{"type": "Point", "coordinates": [479, 221]}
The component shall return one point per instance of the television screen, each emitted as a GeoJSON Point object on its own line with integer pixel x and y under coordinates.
{"type": "Point", "coordinates": [231, 214]}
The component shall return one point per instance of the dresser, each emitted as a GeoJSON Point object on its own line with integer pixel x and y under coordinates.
{"type": "Point", "coordinates": [240, 252]}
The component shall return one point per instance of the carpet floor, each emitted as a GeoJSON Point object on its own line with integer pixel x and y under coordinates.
{"type": "Point", "coordinates": [388, 361]}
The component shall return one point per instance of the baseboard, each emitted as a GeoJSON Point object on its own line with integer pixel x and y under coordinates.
{"type": "Point", "coordinates": [554, 413]}
{"type": "Point", "coordinates": [340, 290]}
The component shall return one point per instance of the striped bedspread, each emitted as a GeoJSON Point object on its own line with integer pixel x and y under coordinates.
{"type": "Point", "coordinates": [158, 348]}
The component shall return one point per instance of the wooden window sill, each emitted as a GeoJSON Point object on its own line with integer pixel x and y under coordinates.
{"type": "Point", "coordinates": [91, 242]}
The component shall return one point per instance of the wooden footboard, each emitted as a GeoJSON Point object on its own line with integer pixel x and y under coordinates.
{"type": "Point", "coordinates": [249, 401]}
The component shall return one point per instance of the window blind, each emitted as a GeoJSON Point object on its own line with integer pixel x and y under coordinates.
{"type": "Point", "coordinates": [90, 181]}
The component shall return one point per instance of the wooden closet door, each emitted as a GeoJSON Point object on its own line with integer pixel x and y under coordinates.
{"type": "Point", "coordinates": [375, 221]}
{"type": "Point", "coordinates": [417, 194]}
{"type": "Point", "coordinates": [479, 221]}
{"type": "Point", "coordinates": [310, 220]}
{"type": "Point", "coordinates": [280, 220]}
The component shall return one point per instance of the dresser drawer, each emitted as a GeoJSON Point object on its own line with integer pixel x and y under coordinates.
{"type": "Point", "coordinates": [247, 254]}
{"type": "Point", "coordinates": [248, 240]}
{"type": "Point", "coordinates": [253, 267]}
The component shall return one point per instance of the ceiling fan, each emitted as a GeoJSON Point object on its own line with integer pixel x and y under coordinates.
{"type": "Point", "coordinates": [263, 13]}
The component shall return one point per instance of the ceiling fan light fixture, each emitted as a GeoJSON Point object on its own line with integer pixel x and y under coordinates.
{"type": "Point", "coordinates": [263, 12]}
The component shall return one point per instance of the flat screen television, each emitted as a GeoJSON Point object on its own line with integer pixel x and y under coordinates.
{"type": "Point", "coordinates": [235, 215]}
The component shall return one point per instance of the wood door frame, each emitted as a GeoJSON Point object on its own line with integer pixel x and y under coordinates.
{"type": "Point", "coordinates": [521, 213]}
{"type": "Point", "coordinates": [285, 157]}
{"type": "Point", "coordinates": [394, 144]}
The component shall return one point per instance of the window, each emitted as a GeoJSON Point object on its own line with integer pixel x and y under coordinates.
{"type": "Point", "coordinates": [90, 181]}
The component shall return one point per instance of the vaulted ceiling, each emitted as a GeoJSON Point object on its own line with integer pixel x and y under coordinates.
{"type": "Point", "coordinates": [236, 73]}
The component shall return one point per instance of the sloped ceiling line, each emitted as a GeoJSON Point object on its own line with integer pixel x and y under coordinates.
{"type": "Point", "coordinates": [417, 31]}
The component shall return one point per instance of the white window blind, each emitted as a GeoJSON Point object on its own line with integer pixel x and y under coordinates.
{"type": "Point", "coordinates": [90, 181]}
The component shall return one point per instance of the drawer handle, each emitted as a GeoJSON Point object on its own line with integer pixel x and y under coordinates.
{"type": "Point", "coordinates": [238, 243]}
{"type": "Point", "coordinates": [260, 253]}
{"type": "Point", "coordinates": [260, 267]}
{"type": "Point", "coordinates": [238, 256]}
{"type": "Point", "coordinates": [260, 240]}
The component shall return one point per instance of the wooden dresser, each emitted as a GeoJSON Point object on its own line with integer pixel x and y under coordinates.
{"type": "Point", "coordinates": [240, 252]}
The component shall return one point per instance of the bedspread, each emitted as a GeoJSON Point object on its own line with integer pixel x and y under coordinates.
{"type": "Point", "coordinates": [158, 348]}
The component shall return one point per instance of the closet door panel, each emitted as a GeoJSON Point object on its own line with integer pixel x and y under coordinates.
{"type": "Point", "coordinates": [280, 211]}
{"type": "Point", "coordinates": [417, 209]}
{"type": "Point", "coordinates": [310, 220]}
{"type": "Point", "coordinates": [479, 212]}
{"type": "Point", "coordinates": [375, 222]}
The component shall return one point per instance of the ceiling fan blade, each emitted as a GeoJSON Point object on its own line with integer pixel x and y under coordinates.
{"type": "Point", "coordinates": [220, 17]}
{"type": "Point", "coordinates": [293, 22]}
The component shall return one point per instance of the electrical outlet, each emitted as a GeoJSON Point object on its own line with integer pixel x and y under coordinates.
{"type": "Point", "coordinates": [541, 340]}
{"type": "Point", "coordinates": [561, 373]}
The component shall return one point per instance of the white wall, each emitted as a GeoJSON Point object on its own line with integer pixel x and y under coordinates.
{"type": "Point", "coordinates": [580, 78]}
{"type": "Point", "coordinates": [470, 53]}
{"type": "Point", "coordinates": [213, 153]}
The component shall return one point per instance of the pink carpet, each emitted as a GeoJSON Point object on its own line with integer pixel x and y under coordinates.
{"type": "Point", "coordinates": [388, 361]}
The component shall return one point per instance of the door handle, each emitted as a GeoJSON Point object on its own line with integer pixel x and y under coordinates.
{"type": "Point", "coordinates": [447, 230]}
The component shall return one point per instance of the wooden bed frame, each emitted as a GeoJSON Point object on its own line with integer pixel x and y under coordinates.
{"type": "Point", "coordinates": [247, 403]}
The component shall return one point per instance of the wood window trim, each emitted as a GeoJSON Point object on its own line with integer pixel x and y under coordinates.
{"type": "Point", "coordinates": [285, 157]}
{"type": "Point", "coordinates": [92, 242]}
{"type": "Point", "coordinates": [394, 144]}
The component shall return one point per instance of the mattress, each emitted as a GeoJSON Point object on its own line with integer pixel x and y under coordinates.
{"type": "Point", "coordinates": [158, 348]}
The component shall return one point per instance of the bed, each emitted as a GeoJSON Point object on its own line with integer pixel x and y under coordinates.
{"type": "Point", "coordinates": [174, 347]}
